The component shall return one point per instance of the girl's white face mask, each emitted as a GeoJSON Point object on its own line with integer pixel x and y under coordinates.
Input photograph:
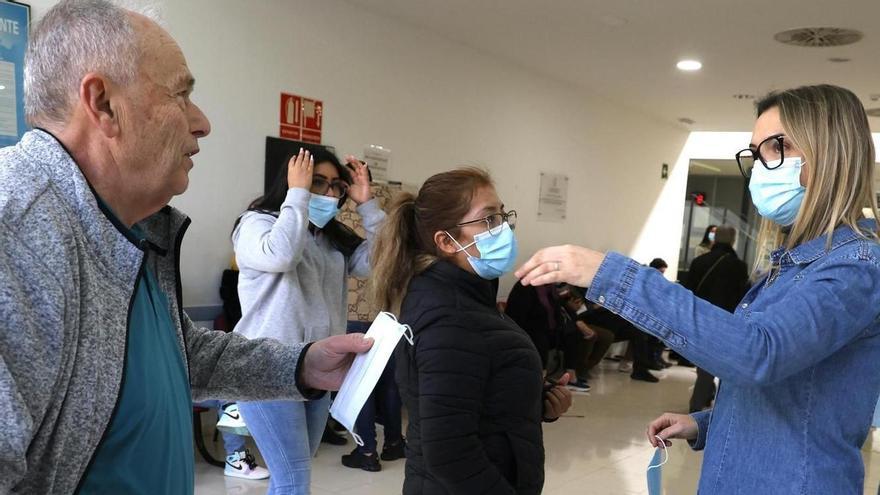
{"type": "Point", "coordinates": [367, 369]}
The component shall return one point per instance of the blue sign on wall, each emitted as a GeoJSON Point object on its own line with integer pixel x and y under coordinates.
{"type": "Point", "coordinates": [14, 26]}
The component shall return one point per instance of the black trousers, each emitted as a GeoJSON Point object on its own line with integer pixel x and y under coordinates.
{"type": "Point", "coordinates": [704, 391]}
{"type": "Point", "coordinates": [624, 330]}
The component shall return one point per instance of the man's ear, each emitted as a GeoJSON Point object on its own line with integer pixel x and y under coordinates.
{"type": "Point", "coordinates": [97, 99]}
{"type": "Point", "coordinates": [444, 243]}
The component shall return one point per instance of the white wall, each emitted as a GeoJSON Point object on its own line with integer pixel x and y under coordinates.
{"type": "Point", "coordinates": [662, 231]}
{"type": "Point", "coordinates": [434, 103]}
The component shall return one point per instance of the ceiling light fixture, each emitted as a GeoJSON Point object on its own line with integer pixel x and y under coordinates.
{"type": "Point", "coordinates": [819, 37]}
{"type": "Point", "coordinates": [689, 65]}
{"type": "Point", "coordinates": [711, 168]}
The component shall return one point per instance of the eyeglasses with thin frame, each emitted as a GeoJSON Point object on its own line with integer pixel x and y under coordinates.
{"type": "Point", "coordinates": [772, 149]}
{"type": "Point", "coordinates": [320, 185]}
{"type": "Point", "coordinates": [494, 220]}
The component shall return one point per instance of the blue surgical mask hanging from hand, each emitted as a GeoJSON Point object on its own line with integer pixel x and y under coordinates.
{"type": "Point", "coordinates": [778, 193]}
{"type": "Point", "coordinates": [498, 250]}
{"type": "Point", "coordinates": [322, 209]}
{"type": "Point", "coordinates": [655, 478]}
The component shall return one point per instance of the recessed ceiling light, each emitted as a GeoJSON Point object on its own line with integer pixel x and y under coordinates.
{"type": "Point", "coordinates": [839, 60]}
{"type": "Point", "coordinates": [689, 65]}
{"type": "Point", "coordinates": [2, 87]}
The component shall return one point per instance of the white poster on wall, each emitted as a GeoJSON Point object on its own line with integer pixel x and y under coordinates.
{"type": "Point", "coordinates": [553, 197]}
{"type": "Point", "coordinates": [378, 158]}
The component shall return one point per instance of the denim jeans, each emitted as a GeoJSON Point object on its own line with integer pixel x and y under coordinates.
{"type": "Point", "coordinates": [231, 441]}
{"type": "Point", "coordinates": [384, 400]}
{"type": "Point", "coordinates": [288, 434]}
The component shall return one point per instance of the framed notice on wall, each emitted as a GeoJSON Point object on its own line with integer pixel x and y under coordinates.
{"type": "Point", "coordinates": [553, 198]}
{"type": "Point", "coordinates": [14, 25]}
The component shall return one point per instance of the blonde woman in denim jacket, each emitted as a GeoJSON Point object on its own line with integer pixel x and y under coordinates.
{"type": "Point", "coordinates": [799, 360]}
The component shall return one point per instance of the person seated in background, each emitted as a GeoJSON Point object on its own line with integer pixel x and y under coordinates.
{"type": "Point", "coordinates": [659, 264]}
{"type": "Point", "coordinates": [537, 310]}
{"type": "Point", "coordinates": [572, 343]}
{"type": "Point", "coordinates": [597, 316]}
{"type": "Point", "coordinates": [657, 347]}
{"type": "Point", "coordinates": [721, 278]}
{"type": "Point", "coordinates": [584, 346]}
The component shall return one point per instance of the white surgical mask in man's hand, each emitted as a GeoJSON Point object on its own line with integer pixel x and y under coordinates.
{"type": "Point", "coordinates": [367, 369]}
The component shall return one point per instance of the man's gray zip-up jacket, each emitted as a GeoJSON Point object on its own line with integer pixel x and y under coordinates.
{"type": "Point", "coordinates": [67, 276]}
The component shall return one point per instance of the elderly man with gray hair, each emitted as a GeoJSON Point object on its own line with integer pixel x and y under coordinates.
{"type": "Point", "coordinates": [98, 361]}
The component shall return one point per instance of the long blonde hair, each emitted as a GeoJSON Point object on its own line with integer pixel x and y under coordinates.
{"type": "Point", "coordinates": [829, 125]}
{"type": "Point", "coordinates": [405, 245]}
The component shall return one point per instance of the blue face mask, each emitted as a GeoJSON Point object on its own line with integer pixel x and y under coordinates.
{"type": "Point", "coordinates": [497, 249]}
{"type": "Point", "coordinates": [655, 476]}
{"type": "Point", "coordinates": [322, 209]}
{"type": "Point", "coordinates": [778, 193]}
{"type": "Point", "coordinates": [711, 236]}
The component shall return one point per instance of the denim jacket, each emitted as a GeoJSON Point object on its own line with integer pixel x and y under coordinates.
{"type": "Point", "coordinates": [799, 363]}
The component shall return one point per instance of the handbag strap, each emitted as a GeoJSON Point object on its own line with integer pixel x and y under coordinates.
{"type": "Point", "coordinates": [711, 269]}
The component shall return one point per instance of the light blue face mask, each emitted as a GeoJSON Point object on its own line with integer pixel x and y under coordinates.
{"type": "Point", "coordinates": [778, 193]}
{"type": "Point", "coordinates": [322, 209]}
{"type": "Point", "coordinates": [655, 475]}
{"type": "Point", "coordinates": [711, 236]}
{"type": "Point", "coordinates": [497, 249]}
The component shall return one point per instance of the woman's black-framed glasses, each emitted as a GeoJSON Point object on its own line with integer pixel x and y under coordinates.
{"type": "Point", "coordinates": [320, 185]}
{"type": "Point", "coordinates": [771, 149]}
{"type": "Point", "coordinates": [494, 220]}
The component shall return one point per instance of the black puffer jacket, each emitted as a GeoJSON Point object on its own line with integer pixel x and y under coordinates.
{"type": "Point", "coordinates": [472, 385]}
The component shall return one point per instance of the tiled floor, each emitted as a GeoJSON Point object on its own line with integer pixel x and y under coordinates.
{"type": "Point", "coordinates": [600, 448]}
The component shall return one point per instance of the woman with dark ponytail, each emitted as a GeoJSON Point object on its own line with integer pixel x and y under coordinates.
{"type": "Point", "coordinates": [472, 381]}
{"type": "Point", "coordinates": [295, 259]}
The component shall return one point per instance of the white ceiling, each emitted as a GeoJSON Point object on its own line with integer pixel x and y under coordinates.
{"type": "Point", "coordinates": [633, 64]}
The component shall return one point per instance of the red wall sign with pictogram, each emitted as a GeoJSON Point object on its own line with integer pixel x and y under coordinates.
{"type": "Point", "coordinates": [301, 118]}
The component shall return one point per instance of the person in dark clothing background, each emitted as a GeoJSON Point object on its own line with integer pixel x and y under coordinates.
{"type": "Point", "coordinates": [721, 278]}
{"type": "Point", "coordinates": [537, 311]}
{"type": "Point", "coordinates": [597, 316]}
{"type": "Point", "coordinates": [655, 344]}
{"type": "Point", "coordinates": [659, 264]}
{"type": "Point", "coordinates": [583, 346]}
{"type": "Point", "coordinates": [472, 380]}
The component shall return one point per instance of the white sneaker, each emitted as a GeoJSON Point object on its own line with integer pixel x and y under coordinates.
{"type": "Point", "coordinates": [243, 465]}
{"type": "Point", "coordinates": [231, 421]}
